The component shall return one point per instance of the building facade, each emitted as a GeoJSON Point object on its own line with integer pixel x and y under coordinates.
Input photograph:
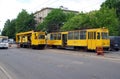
{"type": "Point", "coordinates": [40, 15]}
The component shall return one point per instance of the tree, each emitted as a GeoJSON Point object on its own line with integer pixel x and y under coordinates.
{"type": "Point", "coordinates": [94, 19]}
{"type": "Point", "coordinates": [112, 4]}
{"type": "Point", "coordinates": [9, 28]}
{"type": "Point", "coordinates": [55, 20]}
{"type": "Point", "coordinates": [105, 18]}
{"type": "Point", "coordinates": [77, 22]}
{"type": "Point", "coordinates": [6, 25]}
{"type": "Point", "coordinates": [25, 22]}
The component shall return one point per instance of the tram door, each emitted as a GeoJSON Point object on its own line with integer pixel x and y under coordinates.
{"type": "Point", "coordinates": [64, 39]}
{"type": "Point", "coordinates": [91, 40]}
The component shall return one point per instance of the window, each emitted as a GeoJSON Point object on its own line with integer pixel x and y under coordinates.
{"type": "Point", "coordinates": [104, 35]}
{"type": "Point", "coordinates": [70, 35]}
{"type": "Point", "coordinates": [76, 35]}
{"type": "Point", "coordinates": [82, 34]}
{"type": "Point", "coordinates": [94, 35]}
{"type": "Point", "coordinates": [55, 36]}
{"type": "Point", "coordinates": [5, 40]}
{"type": "Point", "coordinates": [91, 35]}
{"type": "Point", "coordinates": [88, 35]}
{"type": "Point", "coordinates": [98, 35]}
{"type": "Point", "coordinates": [51, 37]}
{"type": "Point", "coordinates": [59, 36]}
{"type": "Point", "coordinates": [41, 37]}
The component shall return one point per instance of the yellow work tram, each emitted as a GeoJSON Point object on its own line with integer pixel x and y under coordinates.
{"type": "Point", "coordinates": [87, 38]}
{"type": "Point", "coordinates": [31, 39]}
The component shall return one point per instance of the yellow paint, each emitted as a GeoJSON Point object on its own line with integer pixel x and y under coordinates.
{"type": "Point", "coordinates": [31, 36]}
{"type": "Point", "coordinates": [91, 43]}
{"type": "Point", "coordinates": [77, 43]}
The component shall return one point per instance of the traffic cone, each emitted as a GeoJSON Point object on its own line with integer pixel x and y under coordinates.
{"type": "Point", "coordinates": [99, 51]}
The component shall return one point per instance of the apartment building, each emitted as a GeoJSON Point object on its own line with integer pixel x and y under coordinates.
{"type": "Point", "coordinates": [40, 15]}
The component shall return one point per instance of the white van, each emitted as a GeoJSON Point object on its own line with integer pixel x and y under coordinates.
{"type": "Point", "coordinates": [4, 42]}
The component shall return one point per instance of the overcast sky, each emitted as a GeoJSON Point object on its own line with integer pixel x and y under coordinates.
{"type": "Point", "coordinates": [9, 9]}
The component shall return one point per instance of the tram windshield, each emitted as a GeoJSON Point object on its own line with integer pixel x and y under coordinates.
{"type": "Point", "coordinates": [104, 35]}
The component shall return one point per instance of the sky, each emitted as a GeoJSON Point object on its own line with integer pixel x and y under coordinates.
{"type": "Point", "coordinates": [9, 9]}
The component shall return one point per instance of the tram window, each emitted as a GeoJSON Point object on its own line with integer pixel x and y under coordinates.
{"type": "Point", "coordinates": [76, 35]}
{"type": "Point", "coordinates": [55, 36]}
{"type": "Point", "coordinates": [94, 35]}
{"type": "Point", "coordinates": [59, 36]}
{"type": "Point", "coordinates": [91, 35]}
{"type": "Point", "coordinates": [82, 34]}
{"type": "Point", "coordinates": [88, 35]}
{"type": "Point", "coordinates": [41, 36]}
{"type": "Point", "coordinates": [98, 35]}
{"type": "Point", "coordinates": [70, 35]}
{"type": "Point", "coordinates": [51, 37]}
{"type": "Point", "coordinates": [104, 35]}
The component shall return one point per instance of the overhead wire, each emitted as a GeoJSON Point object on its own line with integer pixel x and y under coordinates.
{"type": "Point", "coordinates": [46, 3]}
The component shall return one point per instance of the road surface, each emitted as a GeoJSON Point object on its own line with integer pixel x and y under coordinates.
{"type": "Point", "coordinates": [20, 63]}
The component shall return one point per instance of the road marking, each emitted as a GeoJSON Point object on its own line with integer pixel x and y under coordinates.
{"type": "Point", "coordinates": [5, 72]}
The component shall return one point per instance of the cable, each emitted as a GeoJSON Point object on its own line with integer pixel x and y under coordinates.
{"type": "Point", "coordinates": [45, 3]}
{"type": "Point", "coordinates": [53, 2]}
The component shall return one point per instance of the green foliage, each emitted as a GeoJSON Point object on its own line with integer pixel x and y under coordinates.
{"type": "Point", "coordinates": [9, 28]}
{"type": "Point", "coordinates": [24, 22]}
{"type": "Point", "coordinates": [52, 21]}
{"type": "Point", "coordinates": [113, 4]}
{"type": "Point", "coordinates": [55, 19]}
{"type": "Point", "coordinates": [78, 21]}
{"type": "Point", "coordinates": [109, 3]}
{"type": "Point", "coordinates": [95, 19]}
{"type": "Point", "coordinates": [106, 18]}
{"type": "Point", "coordinates": [69, 15]}
{"type": "Point", "coordinates": [6, 25]}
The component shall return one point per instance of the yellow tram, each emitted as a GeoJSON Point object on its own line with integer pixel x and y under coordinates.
{"type": "Point", "coordinates": [31, 39]}
{"type": "Point", "coordinates": [87, 38]}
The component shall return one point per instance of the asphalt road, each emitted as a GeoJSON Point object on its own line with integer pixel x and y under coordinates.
{"type": "Point", "coordinates": [55, 64]}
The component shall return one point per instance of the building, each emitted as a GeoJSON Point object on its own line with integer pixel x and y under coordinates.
{"type": "Point", "coordinates": [40, 15]}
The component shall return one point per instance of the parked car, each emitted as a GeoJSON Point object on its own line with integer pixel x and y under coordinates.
{"type": "Point", "coordinates": [115, 43]}
{"type": "Point", "coordinates": [4, 42]}
{"type": "Point", "coordinates": [11, 41]}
